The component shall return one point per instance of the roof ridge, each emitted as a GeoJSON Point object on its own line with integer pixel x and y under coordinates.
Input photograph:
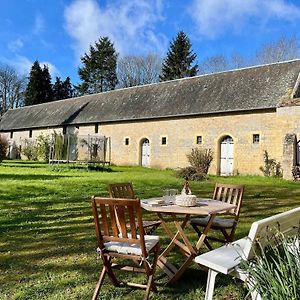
{"type": "Point", "coordinates": [165, 82]}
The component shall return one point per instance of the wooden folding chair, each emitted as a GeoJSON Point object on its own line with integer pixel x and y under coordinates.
{"type": "Point", "coordinates": [123, 242]}
{"type": "Point", "coordinates": [228, 193]}
{"type": "Point", "coordinates": [125, 190]}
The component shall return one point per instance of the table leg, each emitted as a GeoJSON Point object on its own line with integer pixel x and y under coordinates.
{"type": "Point", "coordinates": [205, 231]}
{"type": "Point", "coordinates": [174, 240]}
{"type": "Point", "coordinates": [185, 247]}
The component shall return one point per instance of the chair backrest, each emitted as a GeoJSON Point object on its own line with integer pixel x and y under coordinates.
{"type": "Point", "coordinates": [121, 190]}
{"type": "Point", "coordinates": [267, 231]}
{"type": "Point", "coordinates": [229, 193]}
{"type": "Point", "coordinates": [118, 220]}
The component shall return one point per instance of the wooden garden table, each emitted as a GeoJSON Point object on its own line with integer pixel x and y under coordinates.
{"type": "Point", "coordinates": [204, 207]}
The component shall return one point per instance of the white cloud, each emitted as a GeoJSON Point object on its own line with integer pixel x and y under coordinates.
{"type": "Point", "coordinates": [52, 69]}
{"type": "Point", "coordinates": [23, 65]}
{"type": "Point", "coordinates": [15, 45]}
{"type": "Point", "coordinates": [214, 17]}
{"type": "Point", "coordinates": [39, 24]}
{"type": "Point", "coordinates": [129, 24]}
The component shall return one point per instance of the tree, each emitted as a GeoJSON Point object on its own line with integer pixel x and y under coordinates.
{"type": "Point", "coordinates": [62, 89]}
{"type": "Point", "coordinates": [98, 72]}
{"type": "Point", "coordinates": [12, 87]}
{"type": "Point", "coordinates": [39, 88]}
{"type": "Point", "coordinates": [213, 64]}
{"type": "Point", "coordinates": [179, 60]}
{"type": "Point", "coordinates": [138, 70]}
{"type": "Point", "coordinates": [3, 147]}
{"type": "Point", "coordinates": [238, 61]}
{"type": "Point", "coordinates": [285, 48]}
{"type": "Point", "coordinates": [68, 88]}
{"type": "Point", "coordinates": [57, 89]}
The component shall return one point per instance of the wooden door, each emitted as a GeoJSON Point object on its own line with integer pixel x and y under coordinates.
{"type": "Point", "coordinates": [226, 157]}
{"type": "Point", "coordinates": [146, 153]}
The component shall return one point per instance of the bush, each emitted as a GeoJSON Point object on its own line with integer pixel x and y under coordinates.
{"type": "Point", "coordinates": [30, 150]}
{"type": "Point", "coordinates": [60, 146]}
{"type": "Point", "coordinates": [272, 167]}
{"type": "Point", "coordinates": [200, 160]}
{"type": "Point", "coordinates": [15, 151]}
{"type": "Point", "coordinates": [296, 172]}
{"type": "Point", "coordinates": [275, 274]}
{"type": "Point", "coordinates": [43, 147]}
{"type": "Point", "coordinates": [3, 147]}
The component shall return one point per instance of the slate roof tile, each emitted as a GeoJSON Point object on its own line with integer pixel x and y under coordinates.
{"type": "Point", "coordinates": [259, 87]}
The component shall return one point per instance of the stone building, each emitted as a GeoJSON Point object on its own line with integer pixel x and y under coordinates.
{"type": "Point", "coordinates": [238, 114]}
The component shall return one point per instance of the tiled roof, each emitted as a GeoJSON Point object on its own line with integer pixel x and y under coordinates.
{"type": "Point", "coordinates": [259, 87]}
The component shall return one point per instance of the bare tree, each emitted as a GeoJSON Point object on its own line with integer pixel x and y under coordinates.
{"type": "Point", "coordinates": [238, 61]}
{"type": "Point", "coordinates": [213, 64]}
{"type": "Point", "coordinates": [285, 48]}
{"type": "Point", "coordinates": [138, 70]}
{"type": "Point", "coordinates": [12, 87]}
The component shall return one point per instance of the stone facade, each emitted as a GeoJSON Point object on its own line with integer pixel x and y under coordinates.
{"type": "Point", "coordinates": [238, 114]}
{"type": "Point", "coordinates": [272, 126]}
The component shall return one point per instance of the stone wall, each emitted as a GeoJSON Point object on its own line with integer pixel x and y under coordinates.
{"type": "Point", "coordinates": [181, 135]}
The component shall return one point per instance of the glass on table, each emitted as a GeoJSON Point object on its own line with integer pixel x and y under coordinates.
{"type": "Point", "coordinates": [169, 195]}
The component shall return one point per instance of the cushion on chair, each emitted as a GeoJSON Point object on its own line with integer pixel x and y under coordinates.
{"type": "Point", "coordinates": [135, 249]}
{"type": "Point", "coordinates": [217, 222]}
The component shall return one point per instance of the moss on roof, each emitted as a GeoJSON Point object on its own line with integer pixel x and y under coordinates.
{"type": "Point", "coordinates": [259, 87]}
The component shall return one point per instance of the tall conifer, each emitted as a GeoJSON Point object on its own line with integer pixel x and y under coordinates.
{"type": "Point", "coordinates": [62, 89]}
{"type": "Point", "coordinates": [179, 60]}
{"type": "Point", "coordinates": [39, 88]}
{"type": "Point", "coordinates": [98, 71]}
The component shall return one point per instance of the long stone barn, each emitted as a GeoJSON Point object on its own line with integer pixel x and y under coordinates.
{"type": "Point", "coordinates": [238, 114]}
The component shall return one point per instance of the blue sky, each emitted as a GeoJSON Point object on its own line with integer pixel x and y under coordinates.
{"type": "Point", "coordinates": [58, 32]}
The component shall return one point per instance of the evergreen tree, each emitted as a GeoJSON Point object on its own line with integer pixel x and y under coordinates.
{"type": "Point", "coordinates": [179, 60]}
{"type": "Point", "coordinates": [68, 88]}
{"type": "Point", "coordinates": [39, 88]}
{"type": "Point", "coordinates": [98, 72]}
{"type": "Point", "coordinates": [47, 85]}
{"type": "Point", "coordinates": [62, 89]}
{"type": "Point", "coordinates": [57, 89]}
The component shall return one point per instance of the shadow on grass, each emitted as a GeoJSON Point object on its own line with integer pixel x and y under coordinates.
{"type": "Point", "coordinates": [23, 164]}
{"type": "Point", "coordinates": [31, 177]}
{"type": "Point", "coordinates": [48, 238]}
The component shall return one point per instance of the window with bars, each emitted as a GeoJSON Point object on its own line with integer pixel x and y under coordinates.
{"type": "Point", "coordinates": [256, 138]}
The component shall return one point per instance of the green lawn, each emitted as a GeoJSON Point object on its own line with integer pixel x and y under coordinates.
{"type": "Point", "coordinates": [47, 238]}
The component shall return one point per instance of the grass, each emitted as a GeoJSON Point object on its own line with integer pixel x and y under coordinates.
{"type": "Point", "coordinates": [47, 238]}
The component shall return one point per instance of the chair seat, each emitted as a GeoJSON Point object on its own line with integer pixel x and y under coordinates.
{"type": "Point", "coordinates": [217, 222]}
{"type": "Point", "coordinates": [225, 258]}
{"type": "Point", "coordinates": [134, 249]}
{"type": "Point", "coordinates": [147, 224]}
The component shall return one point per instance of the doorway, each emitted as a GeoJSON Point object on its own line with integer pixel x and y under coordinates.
{"type": "Point", "coordinates": [145, 153]}
{"type": "Point", "coordinates": [226, 156]}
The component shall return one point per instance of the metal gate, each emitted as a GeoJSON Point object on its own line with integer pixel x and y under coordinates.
{"type": "Point", "coordinates": [226, 156]}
